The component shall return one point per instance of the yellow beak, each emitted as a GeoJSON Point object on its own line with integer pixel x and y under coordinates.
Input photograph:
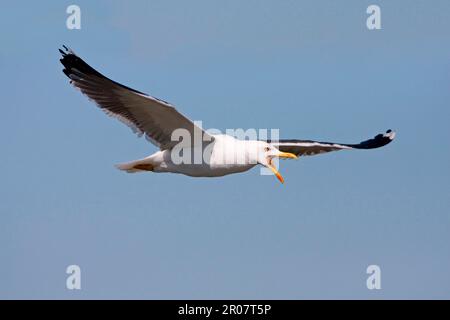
{"type": "Point", "coordinates": [276, 173]}
{"type": "Point", "coordinates": [283, 155]}
{"type": "Point", "coordinates": [287, 155]}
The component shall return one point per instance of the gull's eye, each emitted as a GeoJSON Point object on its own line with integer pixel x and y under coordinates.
{"type": "Point", "coordinates": [266, 149]}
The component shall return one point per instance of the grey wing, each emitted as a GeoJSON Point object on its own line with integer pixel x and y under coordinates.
{"type": "Point", "coordinates": [144, 114]}
{"type": "Point", "coordinates": [310, 148]}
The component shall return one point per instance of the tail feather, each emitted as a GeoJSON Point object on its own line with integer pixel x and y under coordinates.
{"type": "Point", "coordinates": [135, 166]}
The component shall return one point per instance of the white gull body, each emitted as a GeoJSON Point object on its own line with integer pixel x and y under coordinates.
{"type": "Point", "coordinates": [157, 120]}
{"type": "Point", "coordinates": [226, 155]}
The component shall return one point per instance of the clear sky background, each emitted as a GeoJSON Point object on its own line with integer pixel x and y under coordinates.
{"type": "Point", "coordinates": [311, 69]}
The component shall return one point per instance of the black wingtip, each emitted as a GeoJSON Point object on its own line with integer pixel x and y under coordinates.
{"type": "Point", "coordinates": [73, 64]}
{"type": "Point", "coordinates": [390, 134]}
{"type": "Point", "coordinates": [71, 61]}
{"type": "Point", "coordinates": [378, 141]}
{"type": "Point", "coordinates": [64, 51]}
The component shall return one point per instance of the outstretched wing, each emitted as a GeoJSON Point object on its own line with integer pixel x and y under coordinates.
{"type": "Point", "coordinates": [310, 148]}
{"type": "Point", "coordinates": [144, 114]}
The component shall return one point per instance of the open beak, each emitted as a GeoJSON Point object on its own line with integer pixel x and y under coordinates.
{"type": "Point", "coordinates": [282, 155]}
{"type": "Point", "coordinates": [276, 173]}
{"type": "Point", "coordinates": [286, 155]}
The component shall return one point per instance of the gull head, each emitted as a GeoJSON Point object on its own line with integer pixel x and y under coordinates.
{"type": "Point", "coordinates": [267, 152]}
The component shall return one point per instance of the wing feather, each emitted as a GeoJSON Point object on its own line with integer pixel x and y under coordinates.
{"type": "Point", "coordinates": [310, 148]}
{"type": "Point", "coordinates": [144, 114]}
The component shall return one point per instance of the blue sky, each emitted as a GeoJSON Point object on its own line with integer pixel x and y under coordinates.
{"type": "Point", "coordinates": [311, 69]}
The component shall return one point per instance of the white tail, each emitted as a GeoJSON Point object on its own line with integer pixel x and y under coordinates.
{"type": "Point", "coordinates": [136, 166]}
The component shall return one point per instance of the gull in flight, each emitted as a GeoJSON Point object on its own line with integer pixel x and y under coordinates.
{"type": "Point", "coordinates": [157, 120]}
